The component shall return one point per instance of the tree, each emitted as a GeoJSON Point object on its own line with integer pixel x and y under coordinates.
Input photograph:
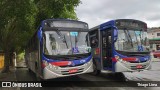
{"type": "Point", "coordinates": [55, 9]}
{"type": "Point", "coordinates": [17, 18]}
{"type": "Point", "coordinates": [20, 18]}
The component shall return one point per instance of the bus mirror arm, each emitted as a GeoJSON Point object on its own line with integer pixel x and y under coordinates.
{"type": "Point", "coordinates": [115, 33]}
{"type": "Point", "coordinates": [40, 35]}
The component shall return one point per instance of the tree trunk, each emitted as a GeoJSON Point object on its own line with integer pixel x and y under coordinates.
{"type": "Point", "coordinates": [11, 59]}
{"type": "Point", "coordinates": [6, 62]}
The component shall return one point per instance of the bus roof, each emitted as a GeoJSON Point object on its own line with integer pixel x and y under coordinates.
{"type": "Point", "coordinates": [62, 19]}
{"type": "Point", "coordinates": [113, 23]}
{"type": "Point", "coordinates": [59, 24]}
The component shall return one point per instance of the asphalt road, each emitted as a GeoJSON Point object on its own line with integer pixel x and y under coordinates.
{"type": "Point", "coordinates": [22, 74]}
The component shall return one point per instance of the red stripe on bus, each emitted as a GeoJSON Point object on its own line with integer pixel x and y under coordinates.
{"type": "Point", "coordinates": [114, 60]}
{"type": "Point", "coordinates": [61, 63]}
{"type": "Point", "coordinates": [43, 65]}
{"type": "Point", "coordinates": [129, 59]}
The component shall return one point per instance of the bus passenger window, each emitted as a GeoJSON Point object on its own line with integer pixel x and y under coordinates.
{"type": "Point", "coordinates": [94, 38]}
{"type": "Point", "coordinates": [94, 42]}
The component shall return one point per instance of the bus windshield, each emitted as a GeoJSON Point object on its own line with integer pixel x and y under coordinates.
{"type": "Point", "coordinates": [131, 40]}
{"type": "Point", "coordinates": [65, 43]}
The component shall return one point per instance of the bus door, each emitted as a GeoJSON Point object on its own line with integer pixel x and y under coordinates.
{"type": "Point", "coordinates": [106, 53]}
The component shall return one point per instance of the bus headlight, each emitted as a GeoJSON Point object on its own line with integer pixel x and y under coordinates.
{"type": "Point", "coordinates": [45, 63]}
{"type": "Point", "coordinates": [117, 58]}
{"type": "Point", "coordinates": [124, 61]}
{"type": "Point", "coordinates": [55, 67]}
{"type": "Point", "coordinates": [120, 59]}
{"type": "Point", "coordinates": [50, 66]}
{"type": "Point", "coordinates": [89, 62]}
{"type": "Point", "coordinates": [85, 64]}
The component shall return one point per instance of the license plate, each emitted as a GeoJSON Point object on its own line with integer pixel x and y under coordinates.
{"type": "Point", "coordinates": [73, 70]}
{"type": "Point", "coordinates": [139, 66]}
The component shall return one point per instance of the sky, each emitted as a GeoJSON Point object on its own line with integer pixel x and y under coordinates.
{"type": "Point", "coordinates": [95, 12]}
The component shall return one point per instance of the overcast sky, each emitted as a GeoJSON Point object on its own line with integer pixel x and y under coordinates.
{"type": "Point", "coordinates": [95, 12]}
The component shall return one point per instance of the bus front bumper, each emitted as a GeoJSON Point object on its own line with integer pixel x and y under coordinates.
{"type": "Point", "coordinates": [50, 73]}
{"type": "Point", "coordinates": [132, 67]}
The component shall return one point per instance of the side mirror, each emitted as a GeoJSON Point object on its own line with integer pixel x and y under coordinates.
{"type": "Point", "coordinates": [40, 34]}
{"type": "Point", "coordinates": [115, 34]}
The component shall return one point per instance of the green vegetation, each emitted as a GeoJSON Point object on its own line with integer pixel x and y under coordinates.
{"type": "Point", "coordinates": [20, 57]}
{"type": "Point", "coordinates": [20, 18]}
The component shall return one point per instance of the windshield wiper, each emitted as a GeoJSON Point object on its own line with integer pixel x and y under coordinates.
{"type": "Point", "coordinates": [136, 37]}
{"type": "Point", "coordinates": [62, 37]}
{"type": "Point", "coordinates": [140, 38]}
{"type": "Point", "coordinates": [129, 39]}
{"type": "Point", "coordinates": [76, 39]}
{"type": "Point", "coordinates": [64, 40]}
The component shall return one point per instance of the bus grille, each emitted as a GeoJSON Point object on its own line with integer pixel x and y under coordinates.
{"type": "Point", "coordinates": [67, 72]}
{"type": "Point", "coordinates": [134, 67]}
{"type": "Point", "coordinates": [70, 66]}
{"type": "Point", "coordinates": [137, 61]}
{"type": "Point", "coordinates": [71, 58]}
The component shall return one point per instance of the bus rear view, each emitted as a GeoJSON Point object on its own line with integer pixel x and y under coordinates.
{"type": "Point", "coordinates": [62, 50]}
{"type": "Point", "coordinates": [123, 46]}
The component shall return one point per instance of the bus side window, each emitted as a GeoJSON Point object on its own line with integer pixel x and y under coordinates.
{"type": "Point", "coordinates": [94, 38]}
{"type": "Point", "coordinates": [87, 41]}
{"type": "Point", "coordinates": [94, 42]}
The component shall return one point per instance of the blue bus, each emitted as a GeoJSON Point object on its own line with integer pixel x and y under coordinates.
{"type": "Point", "coordinates": [59, 48]}
{"type": "Point", "coordinates": [120, 45]}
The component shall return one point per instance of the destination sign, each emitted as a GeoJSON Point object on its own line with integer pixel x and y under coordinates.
{"type": "Point", "coordinates": [130, 24]}
{"type": "Point", "coordinates": [66, 24]}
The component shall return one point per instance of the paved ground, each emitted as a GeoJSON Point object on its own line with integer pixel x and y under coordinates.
{"type": "Point", "coordinates": [22, 74]}
{"type": "Point", "coordinates": [10, 76]}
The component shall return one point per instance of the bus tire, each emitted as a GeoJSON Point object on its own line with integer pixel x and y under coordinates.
{"type": "Point", "coordinates": [38, 78]}
{"type": "Point", "coordinates": [29, 70]}
{"type": "Point", "coordinates": [95, 69]}
{"type": "Point", "coordinates": [119, 76]}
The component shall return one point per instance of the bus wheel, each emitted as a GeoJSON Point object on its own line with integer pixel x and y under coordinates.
{"type": "Point", "coordinates": [38, 78]}
{"type": "Point", "coordinates": [29, 70]}
{"type": "Point", "coordinates": [119, 76]}
{"type": "Point", "coordinates": [95, 70]}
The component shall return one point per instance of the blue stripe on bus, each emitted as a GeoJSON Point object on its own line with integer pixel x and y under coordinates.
{"type": "Point", "coordinates": [107, 25]}
{"type": "Point", "coordinates": [141, 58]}
{"type": "Point", "coordinates": [76, 62]}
